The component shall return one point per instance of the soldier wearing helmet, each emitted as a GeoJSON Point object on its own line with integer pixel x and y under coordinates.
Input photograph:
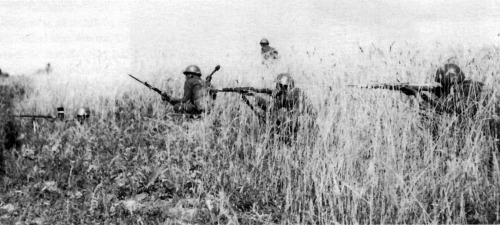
{"type": "Point", "coordinates": [268, 53]}
{"type": "Point", "coordinates": [286, 105]}
{"type": "Point", "coordinates": [196, 95]}
{"type": "Point", "coordinates": [83, 115]}
{"type": "Point", "coordinates": [462, 98]}
{"type": "Point", "coordinates": [456, 94]}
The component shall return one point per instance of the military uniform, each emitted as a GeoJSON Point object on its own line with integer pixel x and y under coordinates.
{"type": "Point", "coordinates": [459, 97]}
{"type": "Point", "coordinates": [268, 53]}
{"type": "Point", "coordinates": [285, 108]}
{"type": "Point", "coordinates": [196, 94]}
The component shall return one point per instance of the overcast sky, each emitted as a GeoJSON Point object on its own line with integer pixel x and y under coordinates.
{"type": "Point", "coordinates": [74, 34]}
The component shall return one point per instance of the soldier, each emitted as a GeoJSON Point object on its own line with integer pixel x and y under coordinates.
{"type": "Point", "coordinates": [456, 95]}
{"type": "Point", "coordinates": [286, 105]}
{"type": "Point", "coordinates": [196, 93]}
{"type": "Point", "coordinates": [82, 115]}
{"type": "Point", "coordinates": [460, 97]}
{"type": "Point", "coordinates": [268, 53]}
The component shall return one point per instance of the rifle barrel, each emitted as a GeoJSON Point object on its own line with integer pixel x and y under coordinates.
{"type": "Point", "coordinates": [418, 87]}
{"type": "Point", "coordinates": [135, 78]}
{"type": "Point", "coordinates": [34, 116]}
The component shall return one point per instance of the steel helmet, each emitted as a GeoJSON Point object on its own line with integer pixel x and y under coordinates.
{"type": "Point", "coordinates": [83, 112]}
{"type": "Point", "coordinates": [447, 73]}
{"type": "Point", "coordinates": [285, 79]}
{"type": "Point", "coordinates": [192, 69]}
{"type": "Point", "coordinates": [264, 41]}
{"type": "Point", "coordinates": [60, 113]}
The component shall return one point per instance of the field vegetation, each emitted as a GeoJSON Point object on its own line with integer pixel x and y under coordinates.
{"type": "Point", "coordinates": [371, 156]}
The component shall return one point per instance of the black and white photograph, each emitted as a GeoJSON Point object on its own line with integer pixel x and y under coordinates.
{"type": "Point", "coordinates": [249, 112]}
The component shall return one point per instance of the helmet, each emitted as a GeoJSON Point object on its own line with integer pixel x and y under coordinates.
{"type": "Point", "coordinates": [85, 112]}
{"type": "Point", "coordinates": [60, 113]}
{"type": "Point", "coordinates": [448, 74]}
{"type": "Point", "coordinates": [192, 69]}
{"type": "Point", "coordinates": [82, 114]}
{"type": "Point", "coordinates": [264, 41]}
{"type": "Point", "coordinates": [285, 79]}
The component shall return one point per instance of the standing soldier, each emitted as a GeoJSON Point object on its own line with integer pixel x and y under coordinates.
{"type": "Point", "coordinates": [196, 93]}
{"type": "Point", "coordinates": [268, 53]}
{"type": "Point", "coordinates": [459, 97]}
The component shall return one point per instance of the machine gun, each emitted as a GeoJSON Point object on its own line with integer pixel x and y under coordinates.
{"type": "Point", "coordinates": [397, 87]}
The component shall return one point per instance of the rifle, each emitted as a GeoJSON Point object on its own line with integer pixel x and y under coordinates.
{"type": "Point", "coordinates": [397, 87]}
{"type": "Point", "coordinates": [247, 90]}
{"type": "Point", "coordinates": [60, 115]}
{"type": "Point", "coordinates": [36, 116]}
{"type": "Point", "coordinates": [151, 87]}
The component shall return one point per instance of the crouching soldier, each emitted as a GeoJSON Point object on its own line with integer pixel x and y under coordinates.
{"type": "Point", "coordinates": [196, 99]}
{"type": "Point", "coordinates": [285, 109]}
{"type": "Point", "coordinates": [463, 98]}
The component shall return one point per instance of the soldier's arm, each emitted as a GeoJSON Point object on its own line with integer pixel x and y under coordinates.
{"type": "Point", "coordinates": [186, 97]}
{"type": "Point", "coordinates": [438, 105]}
{"type": "Point", "coordinates": [263, 90]}
{"type": "Point", "coordinates": [261, 103]}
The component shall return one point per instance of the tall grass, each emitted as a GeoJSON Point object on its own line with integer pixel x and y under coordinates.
{"type": "Point", "coordinates": [370, 156]}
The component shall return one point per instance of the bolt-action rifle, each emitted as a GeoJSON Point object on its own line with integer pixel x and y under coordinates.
{"type": "Point", "coordinates": [36, 116]}
{"type": "Point", "coordinates": [60, 115]}
{"type": "Point", "coordinates": [249, 91]}
{"type": "Point", "coordinates": [163, 94]}
{"type": "Point", "coordinates": [397, 87]}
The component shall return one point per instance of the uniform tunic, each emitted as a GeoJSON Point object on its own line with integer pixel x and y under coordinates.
{"type": "Point", "coordinates": [195, 96]}
{"type": "Point", "coordinates": [285, 111]}
{"type": "Point", "coordinates": [269, 53]}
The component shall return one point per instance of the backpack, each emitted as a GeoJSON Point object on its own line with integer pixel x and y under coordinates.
{"type": "Point", "coordinates": [203, 97]}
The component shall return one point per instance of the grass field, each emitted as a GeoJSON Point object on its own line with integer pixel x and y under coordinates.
{"type": "Point", "coordinates": [369, 158]}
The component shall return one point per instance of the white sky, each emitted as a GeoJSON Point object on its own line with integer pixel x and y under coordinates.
{"type": "Point", "coordinates": [107, 37]}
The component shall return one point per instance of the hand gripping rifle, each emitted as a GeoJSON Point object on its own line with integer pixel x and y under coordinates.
{"type": "Point", "coordinates": [249, 91]}
{"type": "Point", "coordinates": [163, 95]}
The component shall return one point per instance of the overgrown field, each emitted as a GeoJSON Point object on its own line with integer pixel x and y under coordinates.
{"type": "Point", "coordinates": [370, 157]}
